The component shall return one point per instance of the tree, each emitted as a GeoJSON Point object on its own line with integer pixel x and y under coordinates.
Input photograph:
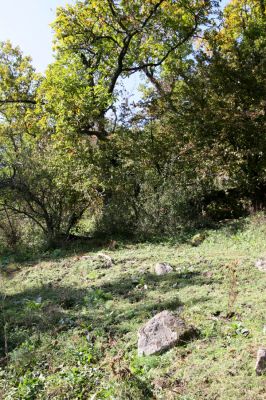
{"type": "Point", "coordinates": [99, 42]}
{"type": "Point", "coordinates": [44, 176]}
{"type": "Point", "coordinates": [232, 67]}
{"type": "Point", "coordinates": [213, 98]}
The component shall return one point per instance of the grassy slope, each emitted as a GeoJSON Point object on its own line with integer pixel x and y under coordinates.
{"type": "Point", "coordinates": [79, 342]}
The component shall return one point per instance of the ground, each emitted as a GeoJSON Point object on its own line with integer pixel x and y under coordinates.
{"type": "Point", "coordinates": [69, 323]}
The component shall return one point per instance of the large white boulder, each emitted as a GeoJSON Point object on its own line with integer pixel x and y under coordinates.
{"type": "Point", "coordinates": [160, 333]}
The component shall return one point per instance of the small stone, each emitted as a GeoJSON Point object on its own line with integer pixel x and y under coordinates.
{"type": "Point", "coordinates": [208, 274]}
{"type": "Point", "coordinates": [38, 300]}
{"type": "Point", "coordinates": [88, 337]}
{"type": "Point", "coordinates": [84, 258]}
{"type": "Point", "coordinates": [162, 268]}
{"type": "Point", "coordinates": [160, 333]}
{"type": "Point", "coordinates": [261, 361]}
{"type": "Point", "coordinates": [261, 264]}
{"type": "Point", "coordinates": [264, 330]}
{"type": "Point", "coordinates": [107, 260]}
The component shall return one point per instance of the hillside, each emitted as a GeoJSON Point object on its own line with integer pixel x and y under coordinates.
{"type": "Point", "coordinates": [69, 322]}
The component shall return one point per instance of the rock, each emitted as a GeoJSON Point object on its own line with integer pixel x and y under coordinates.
{"type": "Point", "coordinates": [208, 274]}
{"type": "Point", "coordinates": [88, 337]}
{"type": "Point", "coordinates": [38, 300]}
{"type": "Point", "coordinates": [106, 260]}
{"type": "Point", "coordinates": [84, 258]}
{"type": "Point", "coordinates": [261, 264]}
{"type": "Point", "coordinates": [160, 333]}
{"type": "Point", "coordinates": [261, 361]}
{"type": "Point", "coordinates": [162, 269]}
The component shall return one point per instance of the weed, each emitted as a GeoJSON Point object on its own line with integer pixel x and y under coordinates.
{"type": "Point", "coordinates": [232, 287]}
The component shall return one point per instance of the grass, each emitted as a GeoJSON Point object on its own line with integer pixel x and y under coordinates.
{"type": "Point", "coordinates": [69, 326]}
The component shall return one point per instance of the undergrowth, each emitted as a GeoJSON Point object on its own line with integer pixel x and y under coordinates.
{"type": "Point", "coordinates": [69, 324]}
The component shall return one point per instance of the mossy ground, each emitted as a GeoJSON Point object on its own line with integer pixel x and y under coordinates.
{"type": "Point", "coordinates": [69, 326]}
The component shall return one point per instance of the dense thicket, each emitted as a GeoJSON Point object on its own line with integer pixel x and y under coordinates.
{"type": "Point", "coordinates": [191, 151]}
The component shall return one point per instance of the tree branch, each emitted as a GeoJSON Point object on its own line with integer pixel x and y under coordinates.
{"type": "Point", "coordinates": [161, 61]}
{"type": "Point", "coordinates": [116, 15]}
{"type": "Point", "coordinates": [18, 101]}
{"type": "Point", "coordinates": [23, 212]}
{"type": "Point", "coordinates": [153, 11]}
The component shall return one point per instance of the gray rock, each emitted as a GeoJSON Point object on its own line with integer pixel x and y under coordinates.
{"type": "Point", "coordinates": [261, 264]}
{"type": "Point", "coordinates": [38, 300]}
{"type": "Point", "coordinates": [88, 337]}
{"type": "Point", "coordinates": [162, 268]}
{"type": "Point", "coordinates": [261, 361]}
{"type": "Point", "coordinates": [103, 260]}
{"type": "Point", "coordinates": [160, 333]}
{"type": "Point", "coordinates": [107, 261]}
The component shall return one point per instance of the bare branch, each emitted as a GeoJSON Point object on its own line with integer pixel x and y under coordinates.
{"type": "Point", "coordinates": [161, 61]}
{"type": "Point", "coordinates": [106, 37]}
{"type": "Point", "coordinates": [28, 215]}
{"type": "Point", "coordinates": [18, 101]}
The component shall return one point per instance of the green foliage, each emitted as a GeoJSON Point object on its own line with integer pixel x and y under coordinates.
{"type": "Point", "coordinates": [97, 296]}
{"type": "Point", "coordinates": [29, 386]}
{"type": "Point", "coordinates": [107, 40]}
{"type": "Point", "coordinates": [75, 159]}
{"type": "Point", "coordinates": [43, 174]}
